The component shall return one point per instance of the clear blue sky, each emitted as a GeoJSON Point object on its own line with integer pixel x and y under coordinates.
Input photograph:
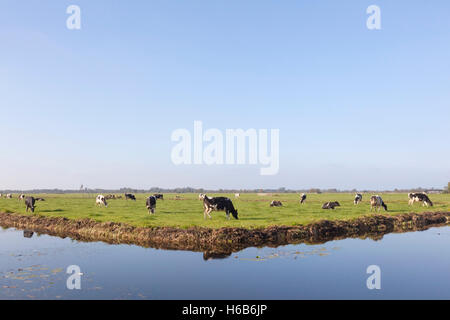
{"type": "Point", "coordinates": [356, 108]}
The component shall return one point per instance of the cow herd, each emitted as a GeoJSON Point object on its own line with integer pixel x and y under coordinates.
{"type": "Point", "coordinates": [376, 202]}
{"type": "Point", "coordinates": [150, 202]}
{"type": "Point", "coordinates": [225, 204]}
{"type": "Point", "coordinates": [209, 204]}
{"type": "Point", "coordinates": [30, 202]}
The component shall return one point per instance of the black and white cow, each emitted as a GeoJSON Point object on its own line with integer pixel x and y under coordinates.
{"type": "Point", "coordinates": [30, 203]}
{"type": "Point", "coordinates": [201, 196]}
{"type": "Point", "coordinates": [302, 198]}
{"type": "Point", "coordinates": [276, 203]}
{"type": "Point", "coordinates": [330, 205]}
{"type": "Point", "coordinates": [9, 196]}
{"type": "Point", "coordinates": [101, 201]}
{"type": "Point", "coordinates": [151, 204]}
{"type": "Point", "coordinates": [159, 196]}
{"type": "Point", "coordinates": [21, 197]}
{"type": "Point", "coordinates": [419, 197]}
{"type": "Point", "coordinates": [376, 203]}
{"type": "Point", "coordinates": [130, 196]}
{"type": "Point", "coordinates": [218, 204]}
{"type": "Point", "coordinates": [358, 198]}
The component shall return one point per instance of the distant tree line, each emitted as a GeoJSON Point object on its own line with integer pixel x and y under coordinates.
{"type": "Point", "coordinates": [447, 189]}
{"type": "Point", "coordinates": [202, 190]}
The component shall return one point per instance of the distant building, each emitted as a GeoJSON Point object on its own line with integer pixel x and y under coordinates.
{"type": "Point", "coordinates": [434, 191]}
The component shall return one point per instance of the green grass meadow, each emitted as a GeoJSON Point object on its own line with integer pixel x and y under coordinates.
{"type": "Point", "coordinates": [254, 210]}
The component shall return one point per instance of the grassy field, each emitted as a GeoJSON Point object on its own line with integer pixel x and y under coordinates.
{"type": "Point", "coordinates": [254, 210]}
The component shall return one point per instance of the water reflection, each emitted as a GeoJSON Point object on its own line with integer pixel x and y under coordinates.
{"type": "Point", "coordinates": [414, 266]}
{"type": "Point", "coordinates": [27, 233]}
{"type": "Point", "coordinates": [215, 255]}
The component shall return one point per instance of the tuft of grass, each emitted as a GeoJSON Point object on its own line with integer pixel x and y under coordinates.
{"type": "Point", "coordinates": [254, 210]}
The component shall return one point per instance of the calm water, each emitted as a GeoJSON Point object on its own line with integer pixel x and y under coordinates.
{"type": "Point", "coordinates": [413, 265]}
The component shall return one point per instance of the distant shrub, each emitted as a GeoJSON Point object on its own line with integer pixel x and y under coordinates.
{"type": "Point", "coordinates": [447, 190]}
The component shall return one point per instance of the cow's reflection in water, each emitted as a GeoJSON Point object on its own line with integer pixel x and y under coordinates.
{"type": "Point", "coordinates": [215, 255]}
{"type": "Point", "coordinates": [27, 233]}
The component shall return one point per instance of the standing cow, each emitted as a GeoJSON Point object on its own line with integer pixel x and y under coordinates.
{"type": "Point", "coordinates": [151, 204]}
{"type": "Point", "coordinates": [302, 198]}
{"type": "Point", "coordinates": [419, 197]}
{"type": "Point", "coordinates": [376, 203]}
{"type": "Point", "coordinates": [358, 198]}
{"type": "Point", "coordinates": [159, 196]}
{"type": "Point", "coordinates": [130, 196]}
{"type": "Point", "coordinates": [30, 203]}
{"type": "Point", "coordinates": [218, 204]}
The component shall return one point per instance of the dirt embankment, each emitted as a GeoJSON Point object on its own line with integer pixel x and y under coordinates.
{"type": "Point", "coordinates": [218, 243]}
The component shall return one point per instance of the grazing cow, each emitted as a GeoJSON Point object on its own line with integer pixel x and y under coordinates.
{"type": "Point", "coordinates": [358, 198]}
{"type": "Point", "coordinates": [9, 196]}
{"type": "Point", "coordinates": [330, 205]}
{"type": "Point", "coordinates": [302, 198]}
{"type": "Point", "coordinates": [30, 203]}
{"type": "Point", "coordinates": [376, 203]}
{"type": "Point", "coordinates": [419, 197]}
{"type": "Point", "coordinates": [237, 195]}
{"type": "Point", "coordinates": [276, 203]}
{"type": "Point", "coordinates": [218, 204]}
{"type": "Point", "coordinates": [130, 196]}
{"type": "Point", "coordinates": [151, 204]}
{"type": "Point", "coordinates": [159, 196]}
{"type": "Point", "coordinates": [21, 197]}
{"type": "Point", "coordinates": [100, 201]}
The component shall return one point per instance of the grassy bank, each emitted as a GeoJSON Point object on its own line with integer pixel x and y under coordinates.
{"type": "Point", "coordinates": [187, 211]}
